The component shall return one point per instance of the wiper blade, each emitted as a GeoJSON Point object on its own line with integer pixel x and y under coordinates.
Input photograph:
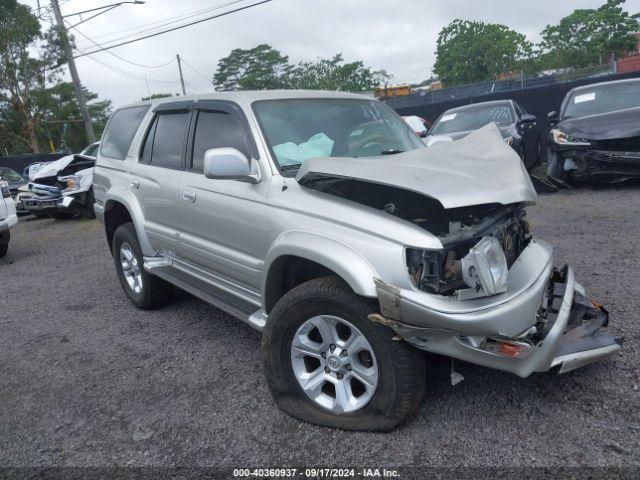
{"type": "Point", "coordinates": [392, 151]}
{"type": "Point", "coordinates": [286, 168]}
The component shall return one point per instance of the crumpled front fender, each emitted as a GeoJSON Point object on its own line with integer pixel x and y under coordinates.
{"type": "Point", "coordinates": [345, 262]}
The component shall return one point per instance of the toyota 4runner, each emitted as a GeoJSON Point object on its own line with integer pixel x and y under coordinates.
{"type": "Point", "coordinates": [322, 220]}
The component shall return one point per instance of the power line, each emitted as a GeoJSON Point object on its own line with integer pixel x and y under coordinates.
{"type": "Point", "coordinates": [131, 75]}
{"type": "Point", "coordinates": [163, 22]}
{"type": "Point", "coordinates": [208, 79]}
{"type": "Point", "coordinates": [246, 7]}
{"type": "Point", "coordinates": [121, 58]}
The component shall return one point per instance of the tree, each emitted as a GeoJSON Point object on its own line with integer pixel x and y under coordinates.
{"type": "Point", "coordinates": [470, 52]}
{"type": "Point", "coordinates": [590, 36]}
{"type": "Point", "coordinates": [259, 68]}
{"type": "Point", "coordinates": [331, 74]}
{"type": "Point", "coordinates": [23, 76]}
{"type": "Point", "coordinates": [62, 119]}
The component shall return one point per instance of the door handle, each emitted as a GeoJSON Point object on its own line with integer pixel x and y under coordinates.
{"type": "Point", "coordinates": [189, 196]}
{"type": "Point", "coordinates": [134, 183]}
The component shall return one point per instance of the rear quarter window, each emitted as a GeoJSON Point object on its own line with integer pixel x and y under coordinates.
{"type": "Point", "coordinates": [120, 131]}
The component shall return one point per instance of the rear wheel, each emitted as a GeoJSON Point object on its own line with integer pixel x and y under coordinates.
{"type": "Point", "coordinates": [146, 291]}
{"type": "Point", "coordinates": [327, 364]}
{"type": "Point", "coordinates": [5, 237]}
{"type": "Point", "coordinates": [87, 210]}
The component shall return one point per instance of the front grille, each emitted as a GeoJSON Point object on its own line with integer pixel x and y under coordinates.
{"type": "Point", "coordinates": [619, 144]}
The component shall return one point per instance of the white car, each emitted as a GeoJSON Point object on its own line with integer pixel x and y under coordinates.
{"type": "Point", "coordinates": [61, 188]}
{"type": "Point", "coordinates": [8, 217]}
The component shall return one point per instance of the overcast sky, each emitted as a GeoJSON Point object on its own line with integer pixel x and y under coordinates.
{"type": "Point", "coordinates": [398, 36]}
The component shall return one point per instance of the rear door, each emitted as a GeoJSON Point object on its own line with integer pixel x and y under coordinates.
{"type": "Point", "coordinates": [156, 177]}
{"type": "Point", "coordinates": [223, 221]}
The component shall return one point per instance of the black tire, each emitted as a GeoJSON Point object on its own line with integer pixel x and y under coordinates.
{"type": "Point", "coordinates": [4, 248]}
{"type": "Point", "coordinates": [401, 376]}
{"type": "Point", "coordinates": [88, 211]}
{"type": "Point", "coordinates": [155, 292]}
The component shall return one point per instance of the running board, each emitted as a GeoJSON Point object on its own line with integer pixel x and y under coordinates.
{"type": "Point", "coordinates": [226, 301]}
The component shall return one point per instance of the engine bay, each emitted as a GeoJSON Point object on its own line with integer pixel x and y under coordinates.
{"type": "Point", "coordinates": [459, 229]}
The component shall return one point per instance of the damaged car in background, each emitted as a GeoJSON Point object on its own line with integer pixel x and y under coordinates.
{"type": "Point", "coordinates": [596, 135]}
{"type": "Point", "coordinates": [322, 220]}
{"type": "Point", "coordinates": [62, 188]}
{"type": "Point", "coordinates": [518, 128]}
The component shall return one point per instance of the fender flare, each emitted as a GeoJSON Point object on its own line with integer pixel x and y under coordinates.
{"type": "Point", "coordinates": [347, 263]}
{"type": "Point", "coordinates": [130, 202]}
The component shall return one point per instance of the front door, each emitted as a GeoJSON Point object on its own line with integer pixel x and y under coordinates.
{"type": "Point", "coordinates": [224, 228]}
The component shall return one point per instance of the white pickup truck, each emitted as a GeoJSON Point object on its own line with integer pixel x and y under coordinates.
{"type": "Point", "coordinates": [8, 217]}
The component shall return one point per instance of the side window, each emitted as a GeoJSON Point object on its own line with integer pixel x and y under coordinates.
{"type": "Point", "coordinates": [164, 142]}
{"type": "Point", "coordinates": [120, 131]}
{"type": "Point", "coordinates": [216, 129]}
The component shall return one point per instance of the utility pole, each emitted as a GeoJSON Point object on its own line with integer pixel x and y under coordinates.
{"type": "Point", "coordinates": [91, 136]}
{"type": "Point", "coordinates": [184, 92]}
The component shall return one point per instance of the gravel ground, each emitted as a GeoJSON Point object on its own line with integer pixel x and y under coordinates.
{"type": "Point", "coordinates": [88, 380]}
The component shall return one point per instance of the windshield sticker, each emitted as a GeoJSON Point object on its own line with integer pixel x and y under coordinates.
{"type": "Point", "coordinates": [586, 97]}
{"type": "Point", "coordinates": [449, 117]}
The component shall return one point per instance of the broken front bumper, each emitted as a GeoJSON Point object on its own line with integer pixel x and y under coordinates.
{"type": "Point", "coordinates": [592, 164]}
{"type": "Point", "coordinates": [39, 204]}
{"type": "Point", "coordinates": [570, 327]}
{"type": "Point", "coordinates": [45, 204]}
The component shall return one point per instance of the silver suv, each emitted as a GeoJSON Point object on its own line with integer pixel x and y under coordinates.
{"type": "Point", "coordinates": [321, 220]}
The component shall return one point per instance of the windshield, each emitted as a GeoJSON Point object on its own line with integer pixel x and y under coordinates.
{"type": "Point", "coordinates": [602, 99]}
{"type": "Point", "coordinates": [10, 176]}
{"type": "Point", "coordinates": [472, 119]}
{"type": "Point", "coordinates": [300, 129]}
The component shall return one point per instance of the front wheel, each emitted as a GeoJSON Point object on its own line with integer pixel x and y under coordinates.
{"type": "Point", "coordinates": [146, 291]}
{"type": "Point", "coordinates": [327, 364]}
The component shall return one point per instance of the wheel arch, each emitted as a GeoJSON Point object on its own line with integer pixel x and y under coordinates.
{"type": "Point", "coordinates": [297, 257]}
{"type": "Point", "coordinates": [121, 208]}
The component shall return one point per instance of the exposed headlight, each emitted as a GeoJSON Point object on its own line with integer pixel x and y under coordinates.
{"type": "Point", "coordinates": [72, 182]}
{"type": "Point", "coordinates": [485, 267]}
{"type": "Point", "coordinates": [562, 138]}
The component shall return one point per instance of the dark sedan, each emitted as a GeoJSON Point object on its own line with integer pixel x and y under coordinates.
{"type": "Point", "coordinates": [596, 134]}
{"type": "Point", "coordinates": [516, 125]}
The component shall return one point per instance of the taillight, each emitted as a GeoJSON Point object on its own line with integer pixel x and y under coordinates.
{"type": "Point", "coordinates": [4, 187]}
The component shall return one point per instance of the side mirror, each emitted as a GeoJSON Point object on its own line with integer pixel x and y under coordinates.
{"type": "Point", "coordinates": [552, 116]}
{"type": "Point", "coordinates": [230, 164]}
{"type": "Point", "coordinates": [528, 118]}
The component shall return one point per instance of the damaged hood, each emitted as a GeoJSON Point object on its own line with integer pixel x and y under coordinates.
{"type": "Point", "coordinates": [606, 126]}
{"type": "Point", "coordinates": [476, 170]}
{"type": "Point", "coordinates": [49, 169]}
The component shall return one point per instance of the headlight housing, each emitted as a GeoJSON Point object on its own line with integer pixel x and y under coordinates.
{"type": "Point", "coordinates": [72, 182]}
{"type": "Point", "coordinates": [562, 138]}
{"type": "Point", "coordinates": [485, 267]}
